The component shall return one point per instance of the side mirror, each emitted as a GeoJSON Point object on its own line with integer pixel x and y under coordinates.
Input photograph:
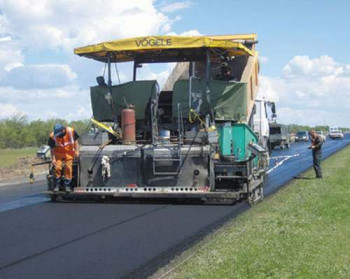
{"type": "Point", "coordinates": [273, 108]}
{"type": "Point", "coordinates": [254, 109]}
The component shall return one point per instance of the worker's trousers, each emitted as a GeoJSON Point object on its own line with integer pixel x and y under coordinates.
{"type": "Point", "coordinates": [317, 157]}
{"type": "Point", "coordinates": [68, 169]}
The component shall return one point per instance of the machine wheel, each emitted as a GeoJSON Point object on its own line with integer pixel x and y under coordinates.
{"type": "Point", "coordinates": [288, 145]}
{"type": "Point", "coordinates": [255, 196]}
{"type": "Point", "coordinates": [282, 146]}
{"type": "Point", "coordinates": [53, 198]}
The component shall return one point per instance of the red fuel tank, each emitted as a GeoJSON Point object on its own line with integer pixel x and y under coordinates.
{"type": "Point", "coordinates": [128, 126]}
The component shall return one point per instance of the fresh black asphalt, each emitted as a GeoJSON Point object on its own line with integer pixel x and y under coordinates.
{"type": "Point", "coordinates": [40, 239]}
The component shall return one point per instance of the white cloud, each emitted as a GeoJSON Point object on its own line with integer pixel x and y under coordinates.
{"type": "Point", "coordinates": [46, 103]}
{"type": "Point", "coordinates": [302, 66]}
{"type": "Point", "coordinates": [269, 88]}
{"type": "Point", "coordinates": [67, 24]}
{"type": "Point", "coordinates": [158, 73]}
{"type": "Point", "coordinates": [173, 7]}
{"type": "Point", "coordinates": [42, 96]}
{"type": "Point", "coordinates": [80, 112]}
{"type": "Point", "coordinates": [264, 59]}
{"type": "Point", "coordinates": [192, 32]}
{"type": "Point", "coordinates": [49, 115]}
{"type": "Point", "coordinates": [13, 65]}
{"type": "Point", "coordinates": [5, 39]}
{"type": "Point", "coordinates": [10, 54]}
{"type": "Point", "coordinates": [38, 76]}
{"type": "Point", "coordinates": [7, 110]}
{"type": "Point", "coordinates": [311, 91]}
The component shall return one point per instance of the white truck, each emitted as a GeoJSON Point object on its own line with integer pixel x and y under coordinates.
{"type": "Point", "coordinates": [335, 133]}
{"type": "Point", "coordinates": [262, 120]}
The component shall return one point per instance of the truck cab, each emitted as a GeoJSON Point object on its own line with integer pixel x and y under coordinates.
{"type": "Point", "coordinates": [335, 133]}
{"type": "Point", "coordinates": [264, 115]}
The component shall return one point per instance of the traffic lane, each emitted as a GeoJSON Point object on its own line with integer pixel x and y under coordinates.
{"type": "Point", "coordinates": [41, 227]}
{"type": "Point", "coordinates": [21, 195]}
{"type": "Point", "coordinates": [12, 192]}
{"type": "Point", "coordinates": [91, 241]}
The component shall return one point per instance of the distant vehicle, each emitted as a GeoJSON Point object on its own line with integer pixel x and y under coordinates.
{"type": "Point", "coordinates": [335, 133]}
{"type": "Point", "coordinates": [322, 135]}
{"type": "Point", "coordinates": [265, 114]}
{"type": "Point", "coordinates": [43, 152]}
{"type": "Point", "coordinates": [302, 136]}
{"type": "Point", "coordinates": [279, 136]}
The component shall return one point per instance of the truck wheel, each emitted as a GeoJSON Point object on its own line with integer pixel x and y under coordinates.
{"type": "Point", "coordinates": [288, 145]}
{"type": "Point", "coordinates": [53, 198]}
{"type": "Point", "coordinates": [282, 146]}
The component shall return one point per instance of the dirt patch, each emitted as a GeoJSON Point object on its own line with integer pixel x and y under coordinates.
{"type": "Point", "coordinates": [22, 168]}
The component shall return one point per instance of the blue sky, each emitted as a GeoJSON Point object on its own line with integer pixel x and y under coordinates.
{"type": "Point", "coordinates": [285, 28]}
{"type": "Point", "coordinates": [304, 48]}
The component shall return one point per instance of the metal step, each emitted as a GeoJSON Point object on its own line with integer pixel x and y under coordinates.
{"type": "Point", "coordinates": [178, 159]}
{"type": "Point", "coordinates": [161, 159]}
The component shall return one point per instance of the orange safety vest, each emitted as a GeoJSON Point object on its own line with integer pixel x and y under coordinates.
{"type": "Point", "coordinates": [64, 145]}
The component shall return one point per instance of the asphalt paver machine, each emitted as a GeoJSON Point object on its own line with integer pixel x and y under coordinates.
{"type": "Point", "coordinates": [190, 139]}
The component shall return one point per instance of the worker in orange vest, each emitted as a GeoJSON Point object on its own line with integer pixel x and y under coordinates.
{"type": "Point", "coordinates": [64, 145]}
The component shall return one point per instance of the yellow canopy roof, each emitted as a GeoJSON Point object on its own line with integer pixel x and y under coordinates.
{"type": "Point", "coordinates": [161, 48]}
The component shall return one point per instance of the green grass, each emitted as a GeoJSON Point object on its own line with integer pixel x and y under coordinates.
{"type": "Point", "coordinates": [9, 156]}
{"type": "Point", "coordinates": [303, 231]}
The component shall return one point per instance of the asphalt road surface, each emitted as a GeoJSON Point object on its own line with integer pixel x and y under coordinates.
{"type": "Point", "coordinates": [40, 239]}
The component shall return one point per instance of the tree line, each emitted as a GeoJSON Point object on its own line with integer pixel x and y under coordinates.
{"type": "Point", "coordinates": [294, 128]}
{"type": "Point", "coordinates": [17, 132]}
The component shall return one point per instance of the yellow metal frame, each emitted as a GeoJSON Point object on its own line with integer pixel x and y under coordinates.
{"type": "Point", "coordinates": [117, 134]}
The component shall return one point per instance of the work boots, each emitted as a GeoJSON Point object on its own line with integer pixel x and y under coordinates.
{"type": "Point", "coordinates": [57, 183]}
{"type": "Point", "coordinates": [66, 183]}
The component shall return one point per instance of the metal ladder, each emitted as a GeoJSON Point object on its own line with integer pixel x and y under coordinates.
{"type": "Point", "coordinates": [175, 151]}
{"type": "Point", "coordinates": [176, 157]}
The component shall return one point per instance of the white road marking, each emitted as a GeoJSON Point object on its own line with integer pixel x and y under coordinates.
{"type": "Point", "coordinates": [285, 158]}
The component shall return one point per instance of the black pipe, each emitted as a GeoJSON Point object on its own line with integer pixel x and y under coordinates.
{"type": "Point", "coordinates": [208, 83]}
{"type": "Point", "coordinates": [109, 72]}
{"type": "Point", "coordinates": [134, 72]}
